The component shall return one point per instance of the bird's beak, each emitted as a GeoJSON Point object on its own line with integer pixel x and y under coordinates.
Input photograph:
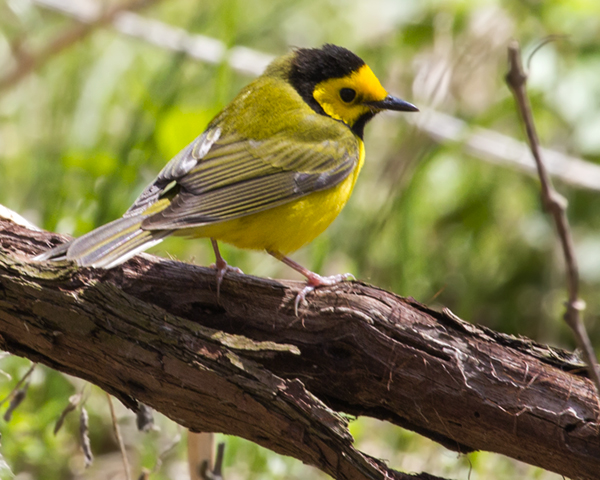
{"type": "Point", "coordinates": [393, 103]}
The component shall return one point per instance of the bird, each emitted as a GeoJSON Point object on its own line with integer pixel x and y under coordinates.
{"type": "Point", "coordinates": [271, 171]}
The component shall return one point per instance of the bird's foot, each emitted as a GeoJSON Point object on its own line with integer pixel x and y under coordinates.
{"type": "Point", "coordinates": [222, 267]}
{"type": "Point", "coordinates": [315, 280]}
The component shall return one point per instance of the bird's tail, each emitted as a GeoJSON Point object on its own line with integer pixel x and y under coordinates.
{"type": "Point", "coordinates": [108, 245]}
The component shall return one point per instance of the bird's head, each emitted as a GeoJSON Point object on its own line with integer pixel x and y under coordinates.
{"type": "Point", "coordinates": [336, 82]}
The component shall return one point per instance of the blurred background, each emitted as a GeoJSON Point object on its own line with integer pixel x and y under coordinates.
{"type": "Point", "coordinates": [446, 209]}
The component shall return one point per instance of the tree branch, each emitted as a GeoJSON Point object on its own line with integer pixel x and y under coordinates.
{"type": "Point", "coordinates": [152, 331]}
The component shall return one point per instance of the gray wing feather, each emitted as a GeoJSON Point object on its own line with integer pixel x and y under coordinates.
{"type": "Point", "coordinates": [243, 198]}
{"type": "Point", "coordinates": [177, 168]}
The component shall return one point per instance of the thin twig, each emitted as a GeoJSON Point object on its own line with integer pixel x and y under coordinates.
{"type": "Point", "coordinates": [556, 205]}
{"type": "Point", "coordinates": [15, 401]}
{"type": "Point", "coordinates": [27, 62]}
{"type": "Point", "coordinates": [18, 385]}
{"type": "Point", "coordinates": [84, 437]}
{"type": "Point", "coordinates": [166, 451]}
{"type": "Point", "coordinates": [74, 402]}
{"type": "Point", "coordinates": [217, 472]}
{"type": "Point", "coordinates": [543, 43]}
{"type": "Point", "coordinates": [119, 437]}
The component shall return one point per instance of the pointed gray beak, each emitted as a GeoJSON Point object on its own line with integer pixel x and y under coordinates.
{"type": "Point", "coordinates": [393, 103]}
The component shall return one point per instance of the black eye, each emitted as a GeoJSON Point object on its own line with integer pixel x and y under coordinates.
{"type": "Point", "coordinates": [347, 94]}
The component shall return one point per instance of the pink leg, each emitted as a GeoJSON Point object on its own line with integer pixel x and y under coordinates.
{"type": "Point", "coordinates": [221, 266]}
{"type": "Point", "coordinates": [313, 279]}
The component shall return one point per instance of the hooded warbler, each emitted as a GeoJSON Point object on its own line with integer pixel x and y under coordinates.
{"type": "Point", "coordinates": [270, 172]}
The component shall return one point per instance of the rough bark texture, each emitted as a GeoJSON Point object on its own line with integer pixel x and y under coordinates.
{"type": "Point", "coordinates": [153, 331]}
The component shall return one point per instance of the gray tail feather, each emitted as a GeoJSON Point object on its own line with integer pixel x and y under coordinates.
{"type": "Point", "coordinates": [108, 245]}
{"type": "Point", "coordinates": [57, 253]}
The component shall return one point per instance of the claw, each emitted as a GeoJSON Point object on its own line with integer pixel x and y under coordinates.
{"type": "Point", "coordinates": [221, 266]}
{"type": "Point", "coordinates": [314, 280]}
{"type": "Point", "coordinates": [301, 297]}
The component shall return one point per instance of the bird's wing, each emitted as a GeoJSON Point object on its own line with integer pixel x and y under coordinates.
{"type": "Point", "coordinates": [177, 168]}
{"type": "Point", "coordinates": [233, 176]}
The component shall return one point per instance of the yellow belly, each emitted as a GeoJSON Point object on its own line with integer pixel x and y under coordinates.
{"type": "Point", "coordinates": [287, 227]}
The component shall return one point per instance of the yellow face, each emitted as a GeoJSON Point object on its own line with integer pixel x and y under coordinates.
{"type": "Point", "coordinates": [343, 98]}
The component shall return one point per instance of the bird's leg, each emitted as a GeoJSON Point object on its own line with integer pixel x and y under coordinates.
{"type": "Point", "coordinates": [221, 266]}
{"type": "Point", "coordinates": [313, 279]}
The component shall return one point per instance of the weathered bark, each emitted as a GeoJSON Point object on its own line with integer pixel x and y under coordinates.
{"type": "Point", "coordinates": [153, 331]}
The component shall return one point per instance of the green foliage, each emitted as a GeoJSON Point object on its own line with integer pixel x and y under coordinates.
{"type": "Point", "coordinates": [82, 136]}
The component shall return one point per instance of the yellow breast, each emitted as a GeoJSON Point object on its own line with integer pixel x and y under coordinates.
{"type": "Point", "coordinates": [287, 227]}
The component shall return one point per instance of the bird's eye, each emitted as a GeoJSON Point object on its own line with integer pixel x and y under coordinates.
{"type": "Point", "coordinates": [347, 94]}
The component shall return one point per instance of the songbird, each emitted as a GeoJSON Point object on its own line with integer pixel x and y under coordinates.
{"type": "Point", "coordinates": [271, 171]}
